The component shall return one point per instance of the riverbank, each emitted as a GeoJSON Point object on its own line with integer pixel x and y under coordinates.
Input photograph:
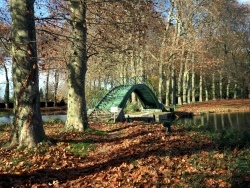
{"type": "Point", "coordinates": [216, 106]}
{"type": "Point", "coordinates": [213, 106]}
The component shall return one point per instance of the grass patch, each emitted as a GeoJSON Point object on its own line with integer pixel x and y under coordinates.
{"type": "Point", "coordinates": [231, 138]}
{"type": "Point", "coordinates": [5, 126]}
{"type": "Point", "coordinates": [15, 160]}
{"type": "Point", "coordinates": [41, 148]}
{"type": "Point", "coordinates": [6, 113]}
{"type": "Point", "coordinates": [132, 107]}
{"type": "Point", "coordinates": [95, 131]}
{"type": "Point", "coordinates": [81, 148]}
{"type": "Point", "coordinates": [241, 175]}
{"type": "Point", "coordinates": [54, 121]}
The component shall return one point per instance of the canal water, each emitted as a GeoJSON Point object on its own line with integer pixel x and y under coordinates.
{"type": "Point", "coordinates": [8, 119]}
{"type": "Point", "coordinates": [225, 121]}
{"type": "Point", "coordinates": [212, 121]}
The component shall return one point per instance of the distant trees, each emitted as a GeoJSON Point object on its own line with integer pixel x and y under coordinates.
{"type": "Point", "coordinates": [53, 57]}
{"type": "Point", "coordinates": [3, 64]}
{"type": "Point", "coordinates": [206, 45]}
{"type": "Point", "coordinates": [4, 54]}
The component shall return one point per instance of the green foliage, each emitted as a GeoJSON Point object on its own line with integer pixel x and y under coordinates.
{"type": "Point", "coordinates": [15, 160]}
{"type": "Point", "coordinates": [4, 126]}
{"type": "Point", "coordinates": [231, 138]}
{"type": "Point", "coordinates": [135, 162]}
{"type": "Point", "coordinates": [7, 92]}
{"type": "Point", "coordinates": [81, 148]}
{"type": "Point", "coordinates": [93, 96]}
{"type": "Point", "coordinates": [54, 121]}
{"type": "Point", "coordinates": [132, 107]}
{"type": "Point", "coordinates": [95, 131]}
{"type": "Point", "coordinates": [5, 113]}
{"type": "Point", "coordinates": [40, 148]}
{"type": "Point", "coordinates": [242, 169]}
{"type": "Point", "coordinates": [41, 94]}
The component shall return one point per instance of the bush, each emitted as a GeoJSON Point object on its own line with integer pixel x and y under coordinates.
{"type": "Point", "coordinates": [232, 138]}
{"type": "Point", "coordinates": [132, 107]}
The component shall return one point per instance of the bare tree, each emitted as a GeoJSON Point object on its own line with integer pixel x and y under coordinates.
{"type": "Point", "coordinates": [77, 67]}
{"type": "Point", "coordinates": [27, 124]}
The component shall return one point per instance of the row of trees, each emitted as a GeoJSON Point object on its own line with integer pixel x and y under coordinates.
{"type": "Point", "coordinates": [187, 50]}
{"type": "Point", "coordinates": [27, 123]}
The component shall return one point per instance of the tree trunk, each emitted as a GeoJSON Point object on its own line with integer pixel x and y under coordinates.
{"type": "Point", "coordinates": [235, 90]}
{"type": "Point", "coordinates": [173, 87]}
{"type": "Point", "coordinates": [193, 82]}
{"type": "Point", "coordinates": [206, 90]}
{"type": "Point", "coordinates": [77, 67]}
{"type": "Point", "coordinates": [179, 82]}
{"type": "Point", "coordinates": [28, 128]}
{"type": "Point", "coordinates": [221, 84]}
{"type": "Point", "coordinates": [160, 84]}
{"type": "Point", "coordinates": [133, 76]}
{"type": "Point", "coordinates": [185, 83]}
{"type": "Point", "coordinates": [228, 88]}
{"type": "Point", "coordinates": [56, 87]}
{"type": "Point", "coordinates": [167, 100]}
{"type": "Point", "coordinates": [7, 88]}
{"type": "Point", "coordinates": [47, 89]}
{"type": "Point", "coordinates": [201, 88]}
{"type": "Point", "coordinates": [188, 90]}
{"type": "Point", "coordinates": [248, 90]}
{"type": "Point", "coordinates": [213, 87]}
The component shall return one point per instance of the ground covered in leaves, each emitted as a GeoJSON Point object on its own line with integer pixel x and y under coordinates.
{"type": "Point", "coordinates": [136, 154]}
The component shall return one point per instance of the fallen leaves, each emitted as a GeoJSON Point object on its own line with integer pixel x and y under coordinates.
{"type": "Point", "coordinates": [134, 154]}
{"type": "Point", "coordinates": [232, 105]}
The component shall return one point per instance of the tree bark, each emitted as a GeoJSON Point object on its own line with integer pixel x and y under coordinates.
{"type": "Point", "coordinates": [221, 85]}
{"type": "Point", "coordinates": [47, 89]}
{"type": "Point", "coordinates": [160, 84]}
{"type": "Point", "coordinates": [173, 77]}
{"type": "Point", "coordinates": [200, 87]}
{"type": "Point", "coordinates": [235, 90]}
{"type": "Point", "coordinates": [185, 83]}
{"type": "Point", "coordinates": [193, 81]}
{"type": "Point", "coordinates": [206, 90]}
{"type": "Point", "coordinates": [167, 100]}
{"type": "Point", "coordinates": [77, 67]}
{"type": "Point", "coordinates": [7, 88]}
{"type": "Point", "coordinates": [213, 87]}
{"type": "Point", "coordinates": [179, 83]}
{"type": "Point", "coordinates": [56, 84]}
{"type": "Point", "coordinates": [188, 89]}
{"type": "Point", "coordinates": [133, 75]}
{"type": "Point", "coordinates": [27, 123]}
{"type": "Point", "coordinates": [248, 90]}
{"type": "Point", "coordinates": [228, 88]}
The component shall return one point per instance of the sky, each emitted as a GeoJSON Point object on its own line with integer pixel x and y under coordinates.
{"type": "Point", "coordinates": [244, 1]}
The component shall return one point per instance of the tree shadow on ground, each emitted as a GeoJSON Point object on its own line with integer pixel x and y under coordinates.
{"type": "Point", "coordinates": [153, 142]}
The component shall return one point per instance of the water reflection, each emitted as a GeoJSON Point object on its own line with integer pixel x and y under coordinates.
{"type": "Point", "coordinates": [8, 118]}
{"type": "Point", "coordinates": [51, 117]}
{"type": "Point", "coordinates": [224, 121]}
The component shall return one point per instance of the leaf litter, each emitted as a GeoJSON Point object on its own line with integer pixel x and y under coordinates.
{"type": "Point", "coordinates": [136, 154]}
